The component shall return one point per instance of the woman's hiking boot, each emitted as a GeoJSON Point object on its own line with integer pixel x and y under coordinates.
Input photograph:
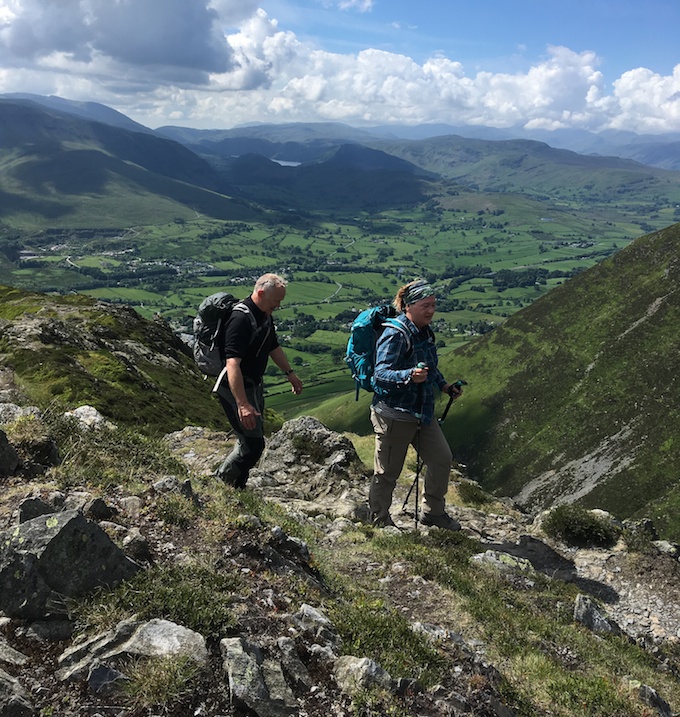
{"type": "Point", "coordinates": [444, 521]}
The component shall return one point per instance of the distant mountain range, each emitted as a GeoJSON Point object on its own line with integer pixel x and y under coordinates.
{"type": "Point", "coordinates": [661, 151]}
{"type": "Point", "coordinates": [656, 150]}
{"type": "Point", "coordinates": [84, 164]}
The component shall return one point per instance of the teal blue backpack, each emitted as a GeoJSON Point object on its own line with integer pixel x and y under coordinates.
{"type": "Point", "coordinates": [365, 331]}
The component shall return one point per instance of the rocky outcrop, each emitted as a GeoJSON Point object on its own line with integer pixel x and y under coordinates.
{"type": "Point", "coordinates": [53, 557]}
{"type": "Point", "coordinates": [276, 661]}
{"type": "Point", "coordinates": [106, 653]}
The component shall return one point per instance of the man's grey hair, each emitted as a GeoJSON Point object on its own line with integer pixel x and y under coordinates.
{"type": "Point", "coordinates": [267, 282]}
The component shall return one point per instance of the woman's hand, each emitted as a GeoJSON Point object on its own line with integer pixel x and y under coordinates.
{"type": "Point", "coordinates": [419, 374]}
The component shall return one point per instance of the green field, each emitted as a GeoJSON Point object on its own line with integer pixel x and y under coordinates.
{"type": "Point", "coordinates": [336, 268]}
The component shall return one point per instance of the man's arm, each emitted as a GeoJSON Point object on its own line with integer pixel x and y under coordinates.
{"type": "Point", "coordinates": [278, 356]}
{"type": "Point", "coordinates": [247, 413]}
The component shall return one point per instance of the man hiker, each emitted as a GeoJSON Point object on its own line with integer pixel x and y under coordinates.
{"type": "Point", "coordinates": [247, 350]}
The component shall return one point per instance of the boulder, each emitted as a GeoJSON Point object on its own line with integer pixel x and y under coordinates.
{"type": "Point", "coordinates": [354, 674]}
{"type": "Point", "coordinates": [255, 683]}
{"type": "Point", "coordinates": [56, 556]}
{"type": "Point", "coordinates": [101, 660]}
{"type": "Point", "coordinates": [14, 700]}
{"type": "Point", "coordinates": [587, 613]}
{"type": "Point", "coordinates": [314, 469]}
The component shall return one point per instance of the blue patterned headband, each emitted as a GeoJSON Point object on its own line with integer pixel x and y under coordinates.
{"type": "Point", "coordinates": [418, 290]}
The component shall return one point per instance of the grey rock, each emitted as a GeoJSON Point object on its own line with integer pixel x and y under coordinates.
{"type": "Point", "coordinates": [587, 613]}
{"type": "Point", "coordinates": [33, 508]}
{"type": "Point", "coordinates": [283, 541]}
{"type": "Point", "coordinates": [503, 562]}
{"type": "Point", "coordinates": [163, 638]}
{"type": "Point", "coordinates": [313, 468]}
{"type": "Point", "coordinates": [358, 673]}
{"type": "Point", "coordinates": [55, 556]}
{"type": "Point", "coordinates": [293, 667]}
{"type": "Point", "coordinates": [89, 417]}
{"type": "Point", "coordinates": [76, 661]}
{"type": "Point", "coordinates": [10, 656]}
{"type": "Point", "coordinates": [10, 412]}
{"type": "Point", "coordinates": [167, 485]}
{"type": "Point", "coordinates": [104, 680]}
{"type": "Point", "coordinates": [651, 697]}
{"type": "Point", "coordinates": [14, 700]}
{"type": "Point", "coordinates": [99, 509]}
{"type": "Point", "coordinates": [9, 458]}
{"type": "Point", "coordinates": [667, 548]}
{"type": "Point", "coordinates": [137, 546]}
{"type": "Point", "coordinates": [77, 500]}
{"type": "Point", "coordinates": [131, 639]}
{"type": "Point", "coordinates": [255, 683]}
{"type": "Point", "coordinates": [50, 630]}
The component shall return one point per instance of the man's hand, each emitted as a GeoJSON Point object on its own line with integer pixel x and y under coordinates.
{"type": "Point", "coordinates": [248, 415]}
{"type": "Point", "coordinates": [295, 383]}
{"type": "Point", "coordinates": [454, 389]}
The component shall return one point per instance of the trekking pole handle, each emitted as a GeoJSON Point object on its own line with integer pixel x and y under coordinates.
{"type": "Point", "coordinates": [458, 384]}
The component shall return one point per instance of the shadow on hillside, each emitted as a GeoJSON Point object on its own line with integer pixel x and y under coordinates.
{"type": "Point", "coordinates": [93, 174]}
{"type": "Point", "coordinates": [15, 204]}
{"type": "Point", "coordinates": [549, 562]}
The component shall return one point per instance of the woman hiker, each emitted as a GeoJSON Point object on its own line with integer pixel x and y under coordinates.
{"type": "Point", "coordinates": [402, 412]}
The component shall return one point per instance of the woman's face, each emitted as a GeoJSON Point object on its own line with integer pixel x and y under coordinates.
{"type": "Point", "coordinates": [421, 312]}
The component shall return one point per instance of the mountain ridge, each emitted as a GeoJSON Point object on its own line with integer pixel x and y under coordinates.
{"type": "Point", "coordinates": [57, 166]}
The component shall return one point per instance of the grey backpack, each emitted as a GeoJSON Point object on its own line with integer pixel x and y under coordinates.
{"type": "Point", "coordinates": [209, 324]}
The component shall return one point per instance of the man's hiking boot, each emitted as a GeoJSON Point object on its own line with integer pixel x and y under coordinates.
{"type": "Point", "coordinates": [238, 483]}
{"type": "Point", "coordinates": [382, 521]}
{"type": "Point", "coordinates": [444, 521]}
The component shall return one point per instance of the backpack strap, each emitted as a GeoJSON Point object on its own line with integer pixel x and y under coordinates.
{"type": "Point", "coordinates": [394, 323]}
{"type": "Point", "coordinates": [243, 308]}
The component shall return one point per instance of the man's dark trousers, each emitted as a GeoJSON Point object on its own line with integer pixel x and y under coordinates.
{"type": "Point", "coordinates": [250, 443]}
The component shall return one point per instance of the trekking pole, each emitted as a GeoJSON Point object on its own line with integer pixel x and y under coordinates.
{"type": "Point", "coordinates": [419, 464]}
{"type": "Point", "coordinates": [452, 397]}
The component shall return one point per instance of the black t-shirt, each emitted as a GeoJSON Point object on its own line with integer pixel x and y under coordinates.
{"type": "Point", "coordinates": [251, 346]}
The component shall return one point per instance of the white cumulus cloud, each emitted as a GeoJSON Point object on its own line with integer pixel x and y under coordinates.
{"type": "Point", "coordinates": [217, 63]}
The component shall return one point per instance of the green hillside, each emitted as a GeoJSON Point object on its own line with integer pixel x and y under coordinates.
{"type": "Point", "coordinates": [58, 170]}
{"type": "Point", "coordinates": [69, 351]}
{"type": "Point", "coordinates": [350, 177]}
{"type": "Point", "coordinates": [576, 396]}
{"type": "Point", "coordinates": [532, 167]}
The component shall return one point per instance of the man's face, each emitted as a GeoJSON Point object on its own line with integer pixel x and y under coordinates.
{"type": "Point", "coordinates": [271, 300]}
{"type": "Point", "coordinates": [421, 312]}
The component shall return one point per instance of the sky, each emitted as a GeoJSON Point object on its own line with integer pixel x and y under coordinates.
{"type": "Point", "coordinates": [216, 64]}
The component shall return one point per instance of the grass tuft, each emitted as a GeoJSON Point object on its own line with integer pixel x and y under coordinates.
{"type": "Point", "coordinates": [159, 682]}
{"type": "Point", "coordinates": [578, 527]}
{"type": "Point", "coordinates": [198, 596]}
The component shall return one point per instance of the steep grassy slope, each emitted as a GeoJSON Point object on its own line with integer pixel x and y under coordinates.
{"type": "Point", "coordinates": [72, 350]}
{"type": "Point", "coordinates": [576, 397]}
